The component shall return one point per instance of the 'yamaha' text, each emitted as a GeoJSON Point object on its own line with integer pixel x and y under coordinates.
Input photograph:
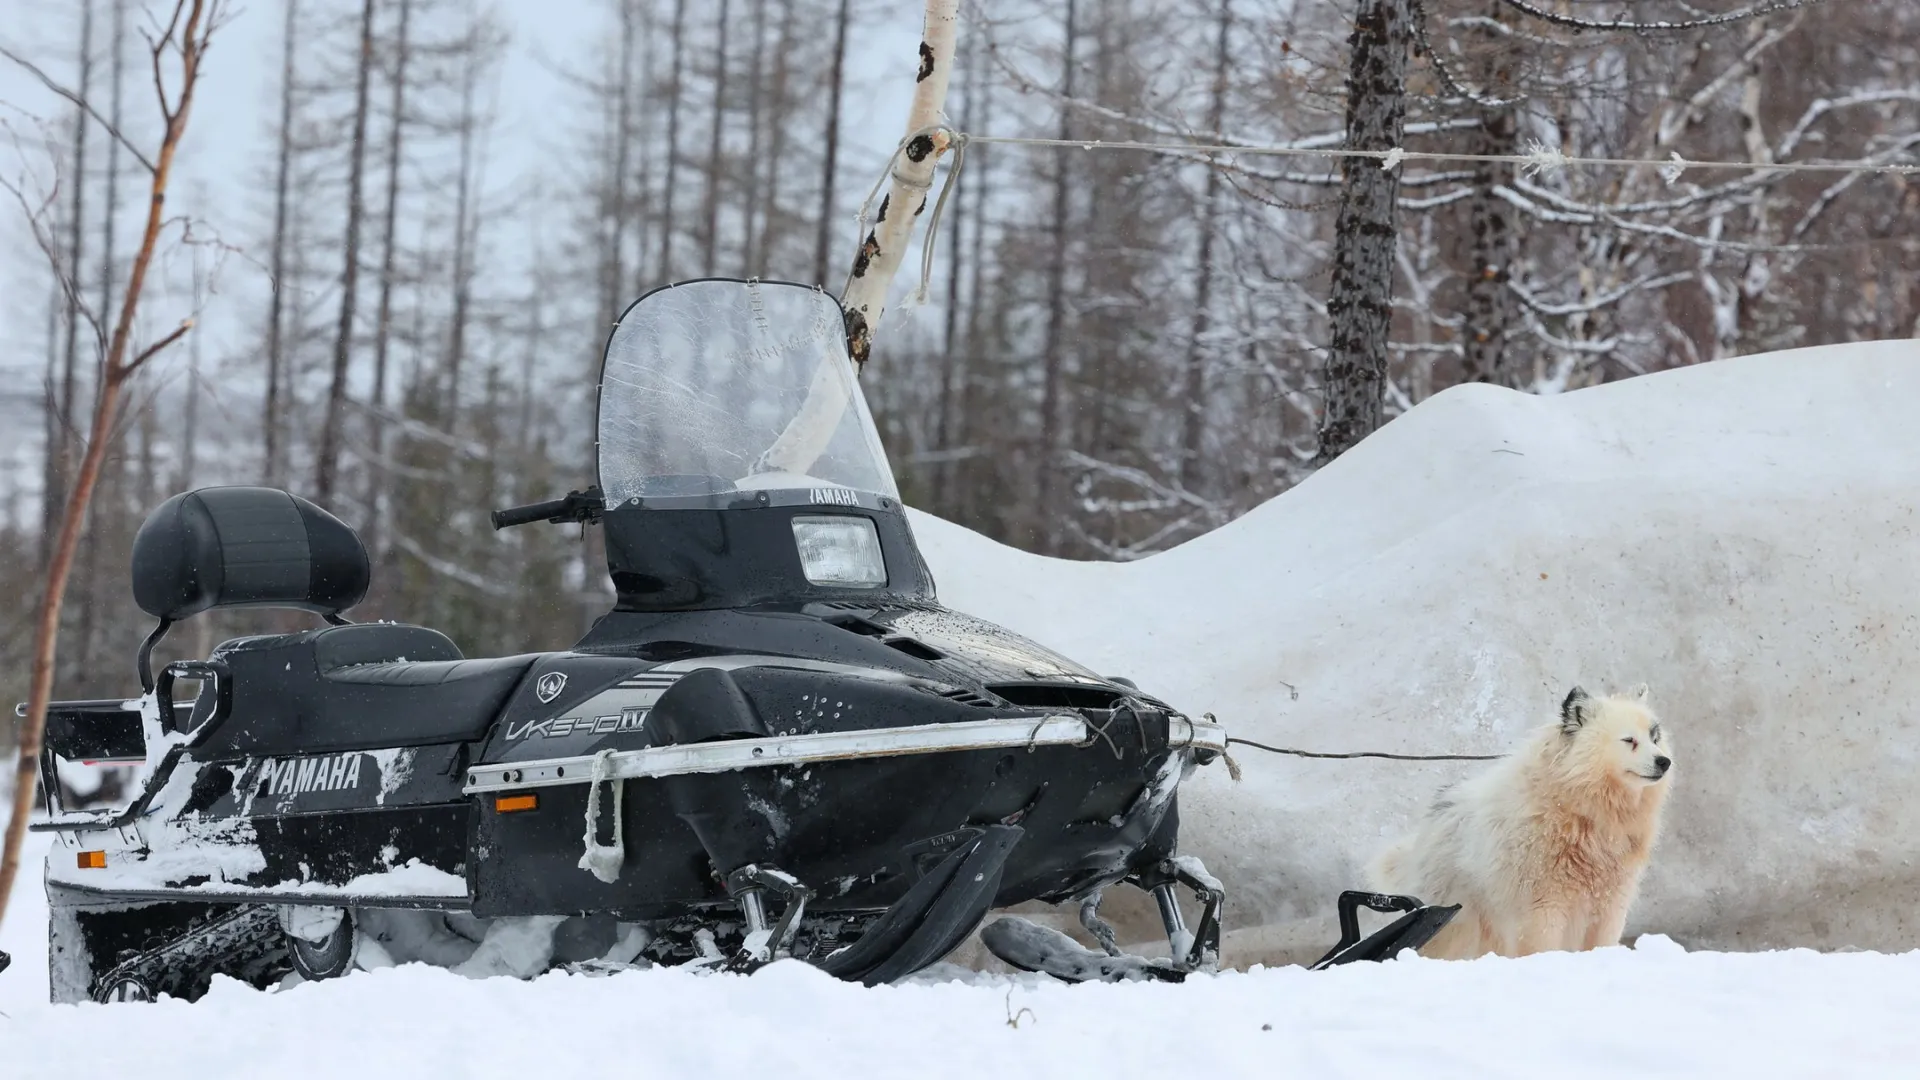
{"type": "Point", "coordinates": [297, 776]}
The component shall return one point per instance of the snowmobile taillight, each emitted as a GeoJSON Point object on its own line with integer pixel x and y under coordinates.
{"type": "Point", "coordinates": [92, 860]}
{"type": "Point", "coordinates": [839, 550]}
{"type": "Point", "coordinates": [507, 804]}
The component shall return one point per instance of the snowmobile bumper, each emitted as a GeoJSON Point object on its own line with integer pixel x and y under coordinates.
{"type": "Point", "coordinates": [1409, 931]}
{"type": "Point", "coordinates": [715, 757]}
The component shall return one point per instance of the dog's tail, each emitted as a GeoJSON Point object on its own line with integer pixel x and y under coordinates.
{"type": "Point", "coordinates": [1388, 870]}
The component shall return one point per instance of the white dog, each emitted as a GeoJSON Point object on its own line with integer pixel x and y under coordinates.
{"type": "Point", "coordinates": [1544, 850]}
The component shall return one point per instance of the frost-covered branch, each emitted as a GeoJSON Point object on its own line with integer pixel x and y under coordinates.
{"type": "Point", "coordinates": [1573, 23]}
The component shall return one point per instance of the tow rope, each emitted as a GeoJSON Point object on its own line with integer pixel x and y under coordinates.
{"type": "Point", "coordinates": [603, 860]}
{"type": "Point", "coordinates": [1233, 767]}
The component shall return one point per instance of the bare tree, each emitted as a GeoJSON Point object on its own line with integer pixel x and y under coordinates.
{"type": "Point", "coordinates": [183, 39]}
{"type": "Point", "coordinates": [1052, 349]}
{"type": "Point", "coordinates": [270, 424]}
{"type": "Point", "coordinates": [835, 81]}
{"type": "Point", "coordinates": [1360, 304]}
{"type": "Point", "coordinates": [59, 465]}
{"type": "Point", "coordinates": [711, 233]}
{"type": "Point", "coordinates": [674, 90]}
{"type": "Point", "coordinates": [1193, 422]}
{"type": "Point", "coordinates": [389, 259]}
{"type": "Point", "coordinates": [326, 470]}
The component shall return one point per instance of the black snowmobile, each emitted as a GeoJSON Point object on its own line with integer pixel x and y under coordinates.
{"type": "Point", "coordinates": [777, 744]}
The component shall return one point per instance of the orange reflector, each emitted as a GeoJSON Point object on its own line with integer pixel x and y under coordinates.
{"type": "Point", "coordinates": [93, 860]}
{"type": "Point", "coordinates": [507, 804]}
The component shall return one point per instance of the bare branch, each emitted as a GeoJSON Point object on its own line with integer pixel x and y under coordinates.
{"type": "Point", "coordinates": [1791, 140]}
{"type": "Point", "coordinates": [157, 347]}
{"type": "Point", "coordinates": [85, 106]}
{"type": "Point", "coordinates": [1446, 75]}
{"type": "Point", "coordinates": [1607, 299]}
{"type": "Point", "coordinates": [1572, 23]}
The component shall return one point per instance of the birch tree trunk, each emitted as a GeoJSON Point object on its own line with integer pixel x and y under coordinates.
{"type": "Point", "coordinates": [808, 433]}
{"type": "Point", "coordinates": [885, 245]}
{"type": "Point", "coordinates": [1360, 304]}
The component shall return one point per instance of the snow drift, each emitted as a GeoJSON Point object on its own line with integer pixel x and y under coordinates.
{"type": "Point", "coordinates": [1740, 535]}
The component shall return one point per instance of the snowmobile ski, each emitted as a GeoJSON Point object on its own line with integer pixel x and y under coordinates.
{"type": "Point", "coordinates": [1031, 947]}
{"type": "Point", "coordinates": [1409, 931]}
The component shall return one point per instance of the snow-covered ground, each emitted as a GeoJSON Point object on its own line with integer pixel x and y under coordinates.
{"type": "Point", "coordinates": [1739, 535]}
{"type": "Point", "coordinates": [1650, 1011]}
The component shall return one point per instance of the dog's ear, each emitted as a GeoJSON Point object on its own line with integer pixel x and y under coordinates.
{"type": "Point", "coordinates": [1639, 693]}
{"type": "Point", "coordinates": [1573, 711]}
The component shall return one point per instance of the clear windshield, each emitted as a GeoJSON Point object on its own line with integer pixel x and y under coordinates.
{"type": "Point", "coordinates": [717, 386]}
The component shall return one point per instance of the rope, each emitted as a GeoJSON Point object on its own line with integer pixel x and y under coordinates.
{"type": "Point", "coordinates": [603, 860]}
{"type": "Point", "coordinates": [1539, 157]}
{"type": "Point", "coordinates": [891, 173]}
{"type": "Point", "coordinates": [1365, 753]}
{"type": "Point", "coordinates": [959, 141]}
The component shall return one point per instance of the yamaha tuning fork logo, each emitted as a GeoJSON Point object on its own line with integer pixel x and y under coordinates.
{"type": "Point", "coordinates": [549, 686]}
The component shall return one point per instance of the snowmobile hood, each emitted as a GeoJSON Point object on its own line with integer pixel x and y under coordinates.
{"type": "Point", "coordinates": [916, 640]}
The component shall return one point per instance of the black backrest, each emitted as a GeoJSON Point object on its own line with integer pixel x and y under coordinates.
{"type": "Point", "coordinates": [230, 547]}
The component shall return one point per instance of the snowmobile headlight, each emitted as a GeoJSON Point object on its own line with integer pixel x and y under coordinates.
{"type": "Point", "coordinates": [839, 550]}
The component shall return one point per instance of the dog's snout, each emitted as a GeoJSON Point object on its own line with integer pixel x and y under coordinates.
{"type": "Point", "coordinates": [1662, 762]}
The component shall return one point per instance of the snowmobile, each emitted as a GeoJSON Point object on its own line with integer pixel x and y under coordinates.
{"type": "Point", "coordinates": [777, 744]}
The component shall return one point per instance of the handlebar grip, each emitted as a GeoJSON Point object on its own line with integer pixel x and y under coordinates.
{"type": "Point", "coordinates": [527, 515]}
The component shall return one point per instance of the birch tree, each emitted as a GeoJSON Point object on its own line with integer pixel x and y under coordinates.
{"type": "Point", "coordinates": [885, 245]}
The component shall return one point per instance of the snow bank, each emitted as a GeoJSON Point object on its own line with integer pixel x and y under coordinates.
{"type": "Point", "coordinates": [1740, 535]}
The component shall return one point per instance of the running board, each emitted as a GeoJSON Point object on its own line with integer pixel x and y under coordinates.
{"type": "Point", "coordinates": [1011, 732]}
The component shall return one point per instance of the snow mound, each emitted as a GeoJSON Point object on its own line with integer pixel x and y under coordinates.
{"type": "Point", "coordinates": [1740, 535]}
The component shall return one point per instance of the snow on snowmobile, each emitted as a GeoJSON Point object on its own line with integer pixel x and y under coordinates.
{"type": "Point", "coordinates": [777, 744]}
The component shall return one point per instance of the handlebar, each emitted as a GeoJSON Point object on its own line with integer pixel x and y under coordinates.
{"type": "Point", "coordinates": [204, 671]}
{"type": "Point", "coordinates": [578, 506]}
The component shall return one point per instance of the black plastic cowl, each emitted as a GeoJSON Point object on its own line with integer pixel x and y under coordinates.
{"type": "Point", "coordinates": [229, 547]}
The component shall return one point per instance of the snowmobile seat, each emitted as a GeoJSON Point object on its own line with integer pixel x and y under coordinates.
{"type": "Point", "coordinates": [354, 687]}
